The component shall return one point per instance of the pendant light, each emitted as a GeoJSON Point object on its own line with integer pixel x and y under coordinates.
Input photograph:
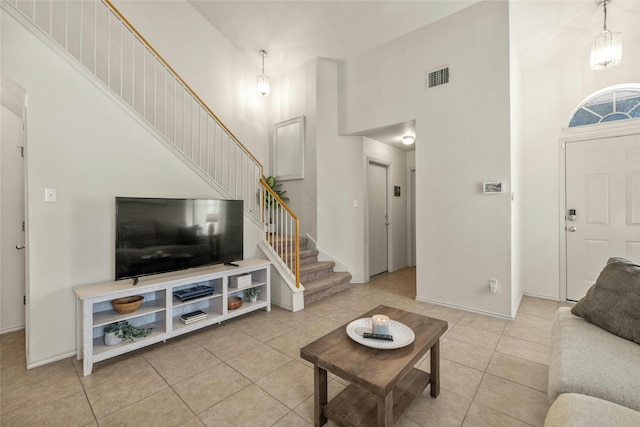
{"type": "Point", "coordinates": [263, 80]}
{"type": "Point", "coordinates": [606, 49]}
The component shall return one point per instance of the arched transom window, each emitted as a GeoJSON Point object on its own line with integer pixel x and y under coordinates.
{"type": "Point", "coordinates": [608, 106]}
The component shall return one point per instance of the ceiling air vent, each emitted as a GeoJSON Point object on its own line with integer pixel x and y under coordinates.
{"type": "Point", "coordinates": [438, 77]}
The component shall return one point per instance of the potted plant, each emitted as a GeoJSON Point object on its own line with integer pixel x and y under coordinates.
{"type": "Point", "coordinates": [123, 331]}
{"type": "Point", "coordinates": [252, 294]}
{"type": "Point", "coordinates": [270, 201]}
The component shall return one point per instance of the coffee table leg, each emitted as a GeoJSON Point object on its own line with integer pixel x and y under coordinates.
{"type": "Point", "coordinates": [320, 395]}
{"type": "Point", "coordinates": [385, 410]}
{"type": "Point", "coordinates": [435, 369]}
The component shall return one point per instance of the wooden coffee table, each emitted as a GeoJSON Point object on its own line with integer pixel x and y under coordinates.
{"type": "Point", "coordinates": [383, 382]}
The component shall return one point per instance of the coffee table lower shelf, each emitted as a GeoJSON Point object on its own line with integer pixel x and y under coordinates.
{"type": "Point", "coordinates": [355, 406]}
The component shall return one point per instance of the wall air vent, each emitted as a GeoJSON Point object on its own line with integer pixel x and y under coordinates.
{"type": "Point", "coordinates": [438, 77]}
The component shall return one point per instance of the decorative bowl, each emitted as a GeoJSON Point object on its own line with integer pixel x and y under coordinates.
{"type": "Point", "coordinates": [234, 302]}
{"type": "Point", "coordinates": [127, 304]}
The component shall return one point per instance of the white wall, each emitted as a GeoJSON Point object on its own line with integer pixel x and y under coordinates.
{"type": "Point", "coordinates": [335, 170]}
{"type": "Point", "coordinates": [340, 179]}
{"type": "Point", "coordinates": [397, 173]}
{"type": "Point", "coordinates": [73, 146]}
{"type": "Point", "coordinates": [516, 167]}
{"type": "Point", "coordinates": [552, 40]}
{"type": "Point", "coordinates": [464, 237]}
{"type": "Point", "coordinates": [294, 95]}
{"type": "Point", "coordinates": [222, 76]}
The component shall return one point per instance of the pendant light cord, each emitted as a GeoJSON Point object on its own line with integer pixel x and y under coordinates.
{"type": "Point", "coordinates": [605, 15]}
{"type": "Point", "coordinates": [263, 53]}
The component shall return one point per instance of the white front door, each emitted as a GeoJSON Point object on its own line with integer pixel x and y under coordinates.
{"type": "Point", "coordinates": [378, 218]}
{"type": "Point", "coordinates": [603, 194]}
{"type": "Point", "coordinates": [12, 259]}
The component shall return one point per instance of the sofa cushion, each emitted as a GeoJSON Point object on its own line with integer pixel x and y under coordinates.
{"type": "Point", "coordinates": [613, 301]}
{"type": "Point", "coordinates": [588, 360]}
{"type": "Point", "coordinates": [578, 410]}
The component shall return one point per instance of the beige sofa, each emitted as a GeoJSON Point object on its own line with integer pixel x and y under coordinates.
{"type": "Point", "coordinates": [594, 376]}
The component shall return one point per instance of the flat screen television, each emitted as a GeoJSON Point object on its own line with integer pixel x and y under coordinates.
{"type": "Point", "coordinates": [157, 235]}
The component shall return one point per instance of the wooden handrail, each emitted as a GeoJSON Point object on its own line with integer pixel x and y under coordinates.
{"type": "Point", "coordinates": [278, 199]}
{"type": "Point", "coordinates": [297, 228]}
{"type": "Point", "coordinates": [181, 80]}
{"type": "Point", "coordinates": [246, 150]}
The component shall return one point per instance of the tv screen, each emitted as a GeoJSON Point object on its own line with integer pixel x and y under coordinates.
{"type": "Point", "coordinates": [158, 235]}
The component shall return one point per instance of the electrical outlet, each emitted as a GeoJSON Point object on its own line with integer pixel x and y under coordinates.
{"type": "Point", "coordinates": [493, 286]}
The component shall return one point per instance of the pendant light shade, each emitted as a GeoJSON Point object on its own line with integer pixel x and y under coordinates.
{"type": "Point", "coordinates": [606, 49]}
{"type": "Point", "coordinates": [263, 80]}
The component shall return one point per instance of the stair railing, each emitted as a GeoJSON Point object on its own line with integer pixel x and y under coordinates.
{"type": "Point", "coordinates": [101, 38]}
{"type": "Point", "coordinates": [283, 231]}
{"type": "Point", "coordinates": [108, 46]}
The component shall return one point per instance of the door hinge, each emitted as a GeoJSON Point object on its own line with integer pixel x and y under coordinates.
{"type": "Point", "coordinates": [24, 300]}
{"type": "Point", "coordinates": [22, 225]}
{"type": "Point", "coordinates": [21, 147]}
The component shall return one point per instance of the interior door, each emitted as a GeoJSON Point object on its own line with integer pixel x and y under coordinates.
{"type": "Point", "coordinates": [412, 261]}
{"type": "Point", "coordinates": [378, 218]}
{"type": "Point", "coordinates": [12, 259]}
{"type": "Point", "coordinates": [603, 207]}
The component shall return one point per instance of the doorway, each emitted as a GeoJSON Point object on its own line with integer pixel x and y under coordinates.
{"type": "Point", "coordinates": [412, 218]}
{"type": "Point", "coordinates": [378, 209]}
{"type": "Point", "coordinates": [602, 218]}
{"type": "Point", "coordinates": [12, 212]}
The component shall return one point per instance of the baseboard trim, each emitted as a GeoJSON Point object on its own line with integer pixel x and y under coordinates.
{"type": "Point", "coordinates": [13, 329]}
{"type": "Point", "coordinates": [463, 308]}
{"type": "Point", "coordinates": [529, 294]}
{"type": "Point", "coordinates": [55, 358]}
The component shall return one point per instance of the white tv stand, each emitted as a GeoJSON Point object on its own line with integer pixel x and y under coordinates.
{"type": "Point", "coordinates": [160, 310]}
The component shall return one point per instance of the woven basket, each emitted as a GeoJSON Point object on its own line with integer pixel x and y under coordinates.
{"type": "Point", "coordinates": [234, 302]}
{"type": "Point", "coordinates": [127, 304]}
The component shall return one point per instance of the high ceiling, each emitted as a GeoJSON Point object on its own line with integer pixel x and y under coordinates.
{"type": "Point", "coordinates": [295, 32]}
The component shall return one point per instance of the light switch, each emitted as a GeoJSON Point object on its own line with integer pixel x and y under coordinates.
{"type": "Point", "coordinates": [50, 195]}
{"type": "Point", "coordinates": [355, 203]}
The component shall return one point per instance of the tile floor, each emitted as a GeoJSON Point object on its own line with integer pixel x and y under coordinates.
{"type": "Point", "coordinates": [247, 372]}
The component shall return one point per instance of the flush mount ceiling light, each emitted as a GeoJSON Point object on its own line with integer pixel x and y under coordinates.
{"type": "Point", "coordinates": [606, 49]}
{"type": "Point", "coordinates": [408, 140]}
{"type": "Point", "coordinates": [263, 80]}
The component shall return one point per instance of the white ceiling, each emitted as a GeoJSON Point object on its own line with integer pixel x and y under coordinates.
{"type": "Point", "coordinates": [295, 32]}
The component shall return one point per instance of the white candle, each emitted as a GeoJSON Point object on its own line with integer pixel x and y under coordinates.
{"type": "Point", "coordinates": [380, 324]}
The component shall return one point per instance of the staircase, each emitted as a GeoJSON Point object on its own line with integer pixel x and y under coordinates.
{"type": "Point", "coordinates": [90, 36]}
{"type": "Point", "coordinates": [317, 277]}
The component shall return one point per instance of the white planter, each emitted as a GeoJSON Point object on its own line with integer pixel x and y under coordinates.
{"type": "Point", "coordinates": [253, 298]}
{"type": "Point", "coordinates": [110, 338]}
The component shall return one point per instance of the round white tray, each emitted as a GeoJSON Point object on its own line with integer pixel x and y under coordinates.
{"type": "Point", "coordinates": [402, 334]}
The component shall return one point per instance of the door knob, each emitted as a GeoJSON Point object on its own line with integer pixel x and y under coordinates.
{"type": "Point", "coordinates": [571, 229]}
{"type": "Point", "coordinates": [20, 247]}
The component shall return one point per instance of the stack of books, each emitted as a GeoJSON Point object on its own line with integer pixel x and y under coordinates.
{"type": "Point", "coordinates": [192, 317]}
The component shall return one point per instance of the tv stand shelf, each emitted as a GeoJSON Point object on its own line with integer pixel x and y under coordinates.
{"type": "Point", "coordinates": [160, 309]}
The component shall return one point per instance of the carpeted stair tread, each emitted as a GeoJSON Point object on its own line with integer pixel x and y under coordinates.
{"type": "Point", "coordinates": [331, 284]}
{"type": "Point", "coordinates": [326, 282]}
{"type": "Point", "coordinates": [316, 266]}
